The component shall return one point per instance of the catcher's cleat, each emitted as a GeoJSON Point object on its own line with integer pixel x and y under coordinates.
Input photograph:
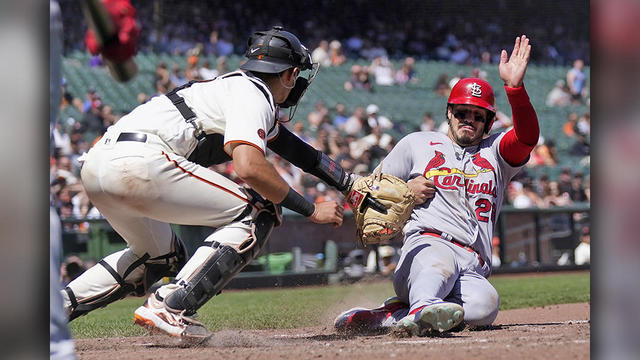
{"type": "Point", "coordinates": [155, 317]}
{"type": "Point", "coordinates": [429, 319]}
{"type": "Point", "coordinates": [361, 320]}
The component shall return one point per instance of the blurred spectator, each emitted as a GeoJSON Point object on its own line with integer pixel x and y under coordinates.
{"type": "Point", "coordinates": [335, 53]}
{"type": "Point", "coordinates": [96, 61]}
{"type": "Point", "coordinates": [485, 58]}
{"type": "Point", "coordinates": [71, 268]}
{"type": "Point", "coordinates": [191, 72]}
{"type": "Point", "coordinates": [502, 123]}
{"type": "Point", "coordinates": [569, 127]}
{"type": "Point", "coordinates": [576, 80]}
{"type": "Point", "coordinates": [108, 117]}
{"type": "Point", "coordinates": [577, 193]}
{"type": "Point", "coordinates": [444, 127]}
{"type": "Point", "coordinates": [317, 115]}
{"type": "Point", "coordinates": [442, 87]}
{"type": "Point", "coordinates": [61, 139]}
{"type": "Point", "coordinates": [559, 95]}
{"type": "Point", "coordinates": [377, 143]}
{"type": "Point", "coordinates": [460, 55]}
{"type": "Point", "coordinates": [354, 124]}
{"type": "Point", "coordinates": [67, 97]}
{"type": "Point", "coordinates": [321, 54]}
{"type": "Point", "coordinates": [525, 195]}
{"type": "Point", "coordinates": [387, 260]}
{"type": "Point", "coordinates": [406, 72]}
{"type": "Point", "coordinates": [359, 79]}
{"type": "Point", "coordinates": [581, 147]}
{"type": "Point", "coordinates": [92, 122]}
{"type": "Point", "coordinates": [542, 187]}
{"type": "Point", "coordinates": [584, 124]}
{"type": "Point", "coordinates": [382, 70]}
{"type": "Point", "coordinates": [582, 253]}
{"type": "Point", "coordinates": [298, 129]}
{"type": "Point", "coordinates": [564, 181]}
{"type": "Point", "coordinates": [290, 174]}
{"type": "Point", "coordinates": [479, 73]}
{"type": "Point", "coordinates": [64, 170]}
{"type": "Point", "coordinates": [90, 97]}
{"type": "Point", "coordinates": [543, 154]}
{"type": "Point", "coordinates": [361, 169]}
{"type": "Point", "coordinates": [221, 65]}
{"type": "Point", "coordinates": [556, 197]}
{"type": "Point", "coordinates": [220, 45]}
{"type": "Point", "coordinates": [142, 98]}
{"type": "Point", "coordinates": [340, 117]}
{"type": "Point", "coordinates": [375, 119]}
{"type": "Point", "coordinates": [495, 252]}
{"type": "Point", "coordinates": [454, 80]}
{"type": "Point", "coordinates": [177, 76]}
{"type": "Point", "coordinates": [206, 72]}
{"type": "Point", "coordinates": [428, 124]}
{"type": "Point", "coordinates": [162, 79]}
{"type": "Point", "coordinates": [587, 188]}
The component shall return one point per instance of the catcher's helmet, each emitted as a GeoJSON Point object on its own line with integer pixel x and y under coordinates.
{"type": "Point", "coordinates": [275, 51]}
{"type": "Point", "coordinates": [474, 91]}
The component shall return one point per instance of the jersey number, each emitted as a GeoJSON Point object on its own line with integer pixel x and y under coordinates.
{"type": "Point", "coordinates": [484, 208]}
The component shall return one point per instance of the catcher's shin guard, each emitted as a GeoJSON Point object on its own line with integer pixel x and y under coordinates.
{"type": "Point", "coordinates": [118, 275]}
{"type": "Point", "coordinates": [219, 264]}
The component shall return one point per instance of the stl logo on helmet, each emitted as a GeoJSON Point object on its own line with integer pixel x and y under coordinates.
{"type": "Point", "coordinates": [476, 90]}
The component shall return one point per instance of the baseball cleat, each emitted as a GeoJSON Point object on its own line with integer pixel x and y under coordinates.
{"type": "Point", "coordinates": [428, 319]}
{"type": "Point", "coordinates": [361, 320]}
{"type": "Point", "coordinates": [155, 317]}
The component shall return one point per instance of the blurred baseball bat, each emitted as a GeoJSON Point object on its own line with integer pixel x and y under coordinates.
{"type": "Point", "coordinates": [105, 31]}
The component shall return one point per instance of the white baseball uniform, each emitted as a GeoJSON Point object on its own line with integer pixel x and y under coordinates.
{"type": "Point", "coordinates": [138, 175]}
{"type": "Point", "coordinates": [446, 255]}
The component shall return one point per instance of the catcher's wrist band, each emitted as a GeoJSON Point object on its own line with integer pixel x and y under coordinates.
{"type": "Point", "coordinates": [294, 201]}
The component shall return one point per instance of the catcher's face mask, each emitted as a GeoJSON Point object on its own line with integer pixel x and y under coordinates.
{"type": "Point", "coordinates": [300, 87]}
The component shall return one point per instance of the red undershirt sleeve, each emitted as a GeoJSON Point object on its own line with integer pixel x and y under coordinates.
{"type": "Point", "coordinates": [517, 143]}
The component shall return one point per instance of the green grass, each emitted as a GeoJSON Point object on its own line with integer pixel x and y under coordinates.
{"type": "Point", "coordinates": [291, 308]}
{"type": "Point", "coordinates": [542, 290]}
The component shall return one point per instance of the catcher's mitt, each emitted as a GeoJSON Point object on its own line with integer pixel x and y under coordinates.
{"type": "Point", "coordinates": [373, 226]}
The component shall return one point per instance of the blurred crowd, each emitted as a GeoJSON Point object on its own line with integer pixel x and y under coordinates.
{"type": "Point", "coordinates": [357, 138]}
{"type": "Point", "coordinates": [362, 28]}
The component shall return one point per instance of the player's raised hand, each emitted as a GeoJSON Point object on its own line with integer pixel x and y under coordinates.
{"type": "Point", "coordinates": [328, 212]}
{"type": "Point", "coordinates": [423, 189]}
{"type": "Point", "coordinates": [512, 71]}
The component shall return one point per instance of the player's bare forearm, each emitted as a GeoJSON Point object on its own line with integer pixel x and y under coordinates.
{"type": "Point", "coordinates": [252, 167]}
{"type": "Point", "coordinates": [328, 212]}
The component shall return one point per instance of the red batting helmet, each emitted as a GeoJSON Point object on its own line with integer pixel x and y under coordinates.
{"type": "Point", "coordinates": [474, 91]}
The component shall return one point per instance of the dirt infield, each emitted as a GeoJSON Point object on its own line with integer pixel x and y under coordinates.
{"type": "Point", "coordinates": [552, 332]}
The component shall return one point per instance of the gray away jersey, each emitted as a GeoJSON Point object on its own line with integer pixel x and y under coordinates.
{"type": "Point", "coordinates": [469, 182]}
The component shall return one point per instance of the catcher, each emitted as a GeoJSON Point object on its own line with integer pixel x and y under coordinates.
{"type": "Point", "coordinates": [458, 180]}
{"type": "Point", "coordinates": [151, 169]}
